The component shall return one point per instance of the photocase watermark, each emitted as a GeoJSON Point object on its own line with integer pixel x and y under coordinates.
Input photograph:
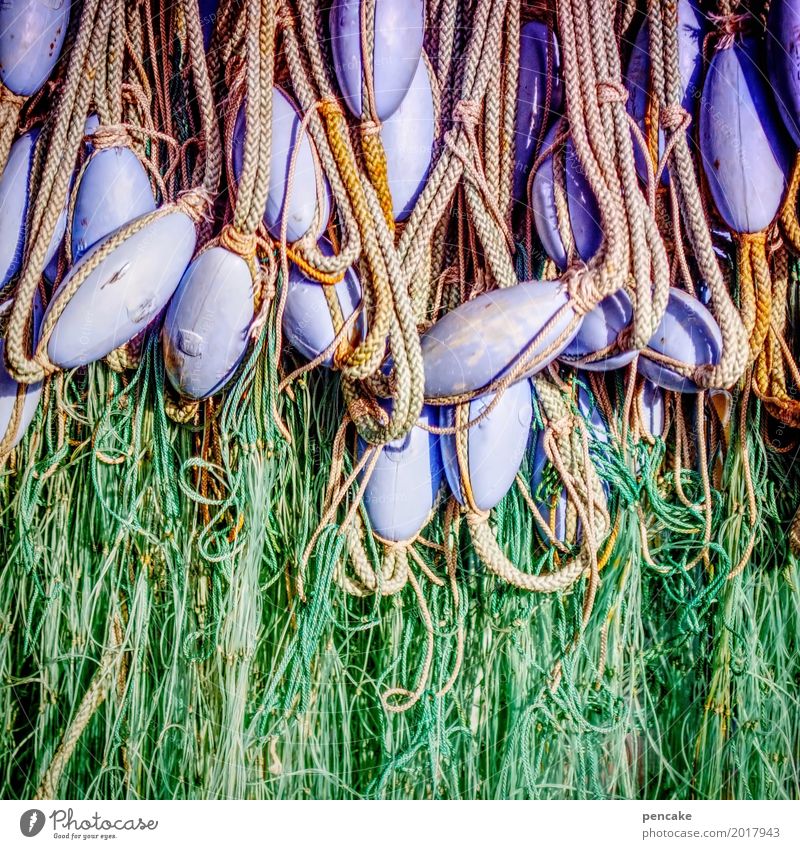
{"type": "Point", "coordinates": [31, 822]}
{"type": "Point", "coordinates": [64, 824]}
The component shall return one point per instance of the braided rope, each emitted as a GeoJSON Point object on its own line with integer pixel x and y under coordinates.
{"type": "Point", "coordinates": [683, 180]}
{"type": "Point", "coordinates": [10, 106]}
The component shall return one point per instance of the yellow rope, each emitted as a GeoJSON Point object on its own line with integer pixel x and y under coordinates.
{"type": "Point", "coordinates": [377, 168]}
{"type": "Point", "coordinates": [310, 271]}
{"type": "Point", "coordinates": [755, 290]}
{"type": "Point", "coordinates": [788, 217]}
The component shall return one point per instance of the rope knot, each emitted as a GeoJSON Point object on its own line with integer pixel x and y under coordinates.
{"type": "Point", "coordinates": [624, 341]}
{"type": "Point", "coordinates": [110, 135]}
{"type": "Point", "coordinates": [196, 203]}
{"type": "Point", "coordinates": [584, 293]}
{"type": "Point", "coordinates": [611, 91]}
{"type": "Point", "coordinates": [237, 242]}
{"type": "Point", "coordinates": [286, 18]}
{"type": "Point", "coordinates": [11, 98]}
{"type": "Point", "coordinates": [759, 239]}
{"type": "Point", "coordinates": [181, 410]}
{"type": "Point", "coordinates": [368, 408]}
{"type": "Point", "coordinates": [268, 290]}
{"type": "Point", "coordinates": [42, 360]}
{"type": "Point", "coordinates": [467, 112]}
{"type": "Point", "coordinates": [674, 118]}
{"type": "Point", "coordinates": [370, 128]}
{"type": "Point", "coordinates": [729, 27]}
{"type": "Point", "coordinates": [561, 427]}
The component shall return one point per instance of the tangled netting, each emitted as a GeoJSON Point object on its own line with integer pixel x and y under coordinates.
{"type": "Point", "coordinates": [364, 563]}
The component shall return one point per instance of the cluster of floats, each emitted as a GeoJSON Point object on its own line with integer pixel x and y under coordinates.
{"type": "Point", "coordinates": [745, 133]}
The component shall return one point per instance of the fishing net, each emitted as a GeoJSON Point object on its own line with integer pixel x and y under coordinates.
{"type": "Point", "coordinates": [399, 400]}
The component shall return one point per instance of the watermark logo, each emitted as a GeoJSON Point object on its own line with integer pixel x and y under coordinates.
{"type": "Point", "coordinates": [66, 824]}
{"type": "Point", "coordinates": [31, 822]}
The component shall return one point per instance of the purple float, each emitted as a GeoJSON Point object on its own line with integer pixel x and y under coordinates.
{"type": "Point", "coordinates": [114, 189]}
{"type": "Point", "coordinates": [783, 65]}
{"type": "Point", "coordinates": [688, 333]}
{"type": "Point", "coordinates": [601, 326]}
{"type": "Point", "coordinates": [124, 293]}
{"type": "Point", "coordinates": [584, 215]}
{"type": "Point", "coordinates": [31, 37]}
{"type": "Point", "coordinates": [495, 446]}
{"type": "Point", "coordinates": [307, 323]}
{"type": "Point", "coordinates": [209, 10]}
{"type": "Point", "coordinates": [652, 408]}
{"type": "Point", "coordinates": [399, 28]}
{"type": "Point", "coordinates": [599, 330]}
{"type": "Point", "coordinates": [206, 328]}
{"type": "Point", "coordinates": [402, 488]}
{"type": "Point", "coordinates": [476, 343]}
{"type": "Point", "coordinates": [15, 193]}
{"type": "Point", "coordinates": [407, 137]}
{"type": "Point", "coordinates": [745, 150]}
{"type": "Point", "coordinates": [691, 31]}
{"type": "Point", "coordinates": [539, 79]}
{"type": "Point", "coordinates": [9, 387]}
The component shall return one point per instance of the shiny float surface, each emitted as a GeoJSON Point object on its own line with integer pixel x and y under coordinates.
{"type": "Point", "coordinates": [398, 32]}
{"type": "Point", "coordinates": [9, 387]}
{"type": "Point", "coordinates": [206, 327]}
{"type": "Point", "coordinates": [539, 75]}
{"type": "Point", "coordinates": [114, 189]}
{"type": "Point", "coordinates": [15, 190]}
{"type": "Point", "coordinates": [600, 329]}
{"type": "Point", "coordinates": [745, 150]}
{"type": "Point", "coordinates": [307, 323]}
{"type": "Point", "coordinates": [402, 489]}
{"type": "Point", "coordinates": [584, 214]}
{"type": "Point", "coordinates": [692, 27]}
{"type": "Point", "coordinates": [32, 34]}
{"type": "Point", "coordinates": [687, 333]}
{"type": "Point", "coordinates": [478, 341]}
{"type": "Point", "coordinates": [495, 446]}
{"type": "Point", "coordinates": [407, 137]}
{"type": "Point", "coordinates": [124, 293]}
